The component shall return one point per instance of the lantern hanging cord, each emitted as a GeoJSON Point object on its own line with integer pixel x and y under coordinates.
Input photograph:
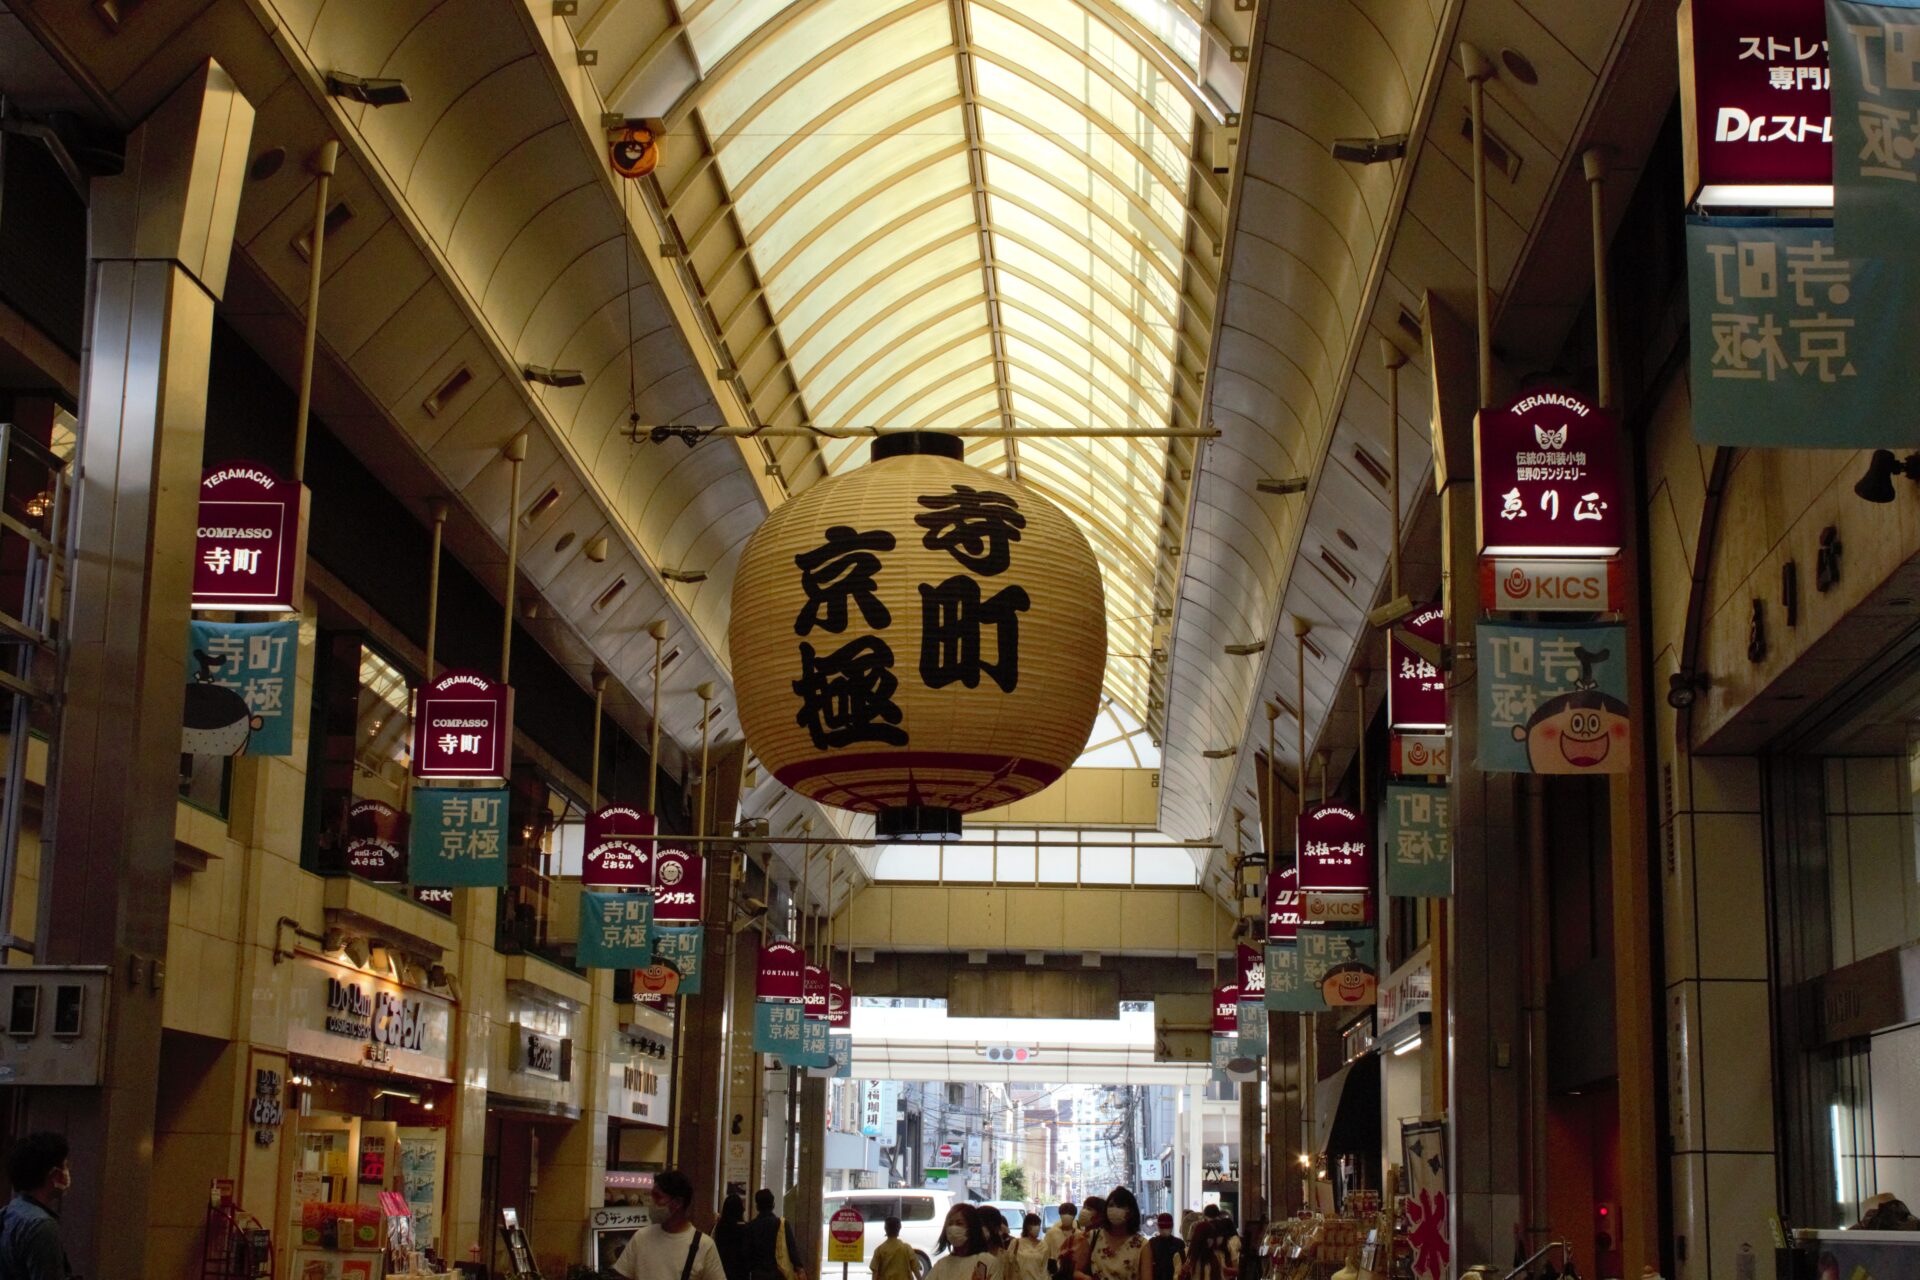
{"type": "Point", "coordinates": [626, 266]}
{"type": "Point", "coordinates": [691, 435]}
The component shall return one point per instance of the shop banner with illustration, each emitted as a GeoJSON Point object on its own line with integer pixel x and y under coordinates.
{"type": "Point", "coordinates": [1553, 698]}
{"type": "Point", "coordinates": [1797, 345]}
{"type": "Point", "coordinates": [616, 930]}
{"type": "Point", "coordinates": [1416, 836]}
{"type": "Point", "coordinates": [459, 838]}
{"type": "Point", "coordinates": [240, 674]}
{"type": "Point", "coordinates": [777, 1028]}
{"type": "Point", "coordinates": [1874, 53]}
{"type": "Point", "coordinates": [1324, 969]}
{"type": "Point", "coordinates": [683, 948]}
{"type": "Point", "coordinates": [1423, 1155]}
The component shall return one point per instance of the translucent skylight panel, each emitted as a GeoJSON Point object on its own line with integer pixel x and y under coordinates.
{"type": "Point", "coordinates": [1171, 22]}
{"type": "Point", "coordinates": [806, 34]}
{"type": "Point", "coordinates": [806, 189]}
{"type": "Point", "coordinates": [846, 370]}
{"type": "Point", "coordinates": [719, 25]}
{"type": "Point", "coordinates": [980, 408]}
{"type": "Point", "coordinates": [1067, 118]}
{"type": "Point", "coordinates": [949, 268]}
{"type": "Point", "coordinates": [1154, 296]}
{"type": "Point", "coordinates": [938, 182]}
{"type": "Point", "coordinates": [954, 341]}
{"type": "Point", "coordinates": [912, 389]}
{"type": "Point", "coordinates": [854, 268]}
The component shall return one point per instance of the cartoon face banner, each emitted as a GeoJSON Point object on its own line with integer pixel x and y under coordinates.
{"type": "Point", "coordinates": [615, 930]}
{"type": "Point", "coordinates": [241, 674]}
{"type": "Point", "coordinates": [777, 1028]}
{"type": "Point", "coordinates": [459, 838]}
{"type": "Point", "coordinates": [619, 848]}
{"type": "Point", "coordinates": [1325, 969]}
{"type": "Point", "coordinates": [677, 886]}
{"type": "Point", "coordinates": [1416, 834]}
{"type": "Point", "coordinates": [782, 974]}
{"type": "Point", "coordinates": [1553, 698]}
{"type": "Point", "coordinates": [682, 949]}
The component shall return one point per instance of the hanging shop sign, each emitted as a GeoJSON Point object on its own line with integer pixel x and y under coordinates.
{"type": "Point", "coordinates": [342, 1014]}
{"type": "Point", "coordinates": [1511, 584]}
{"type": "Point", "coordinates": [377, 842]}
{"type": "Point", "coordinates": [658, 982]}
{"type": "Point", "coordinates": [1250, 1024]}
{"type": "Point", "coordinates": [813, 988]}
{"type": "Point", "coordinates": [1423, 1154]}
{"type": "Point", "coordinates": [1416, 691]}
{"type": "Point", "coordinates": [1798, 347]}
{"type": "Point", "coordinates": [1416, 835]}
{"type": "Point", "coordinates": [1335, 866]}
{"type": "Point", "coordinates": [1756, 124]}
{"type": "Point", "coordinates": [918, 638]}
{"type": "Point", "coordinates": [1424, 755]}
{"type": "Point", "coordinates": [1326, 968]}
{"type": "Point", "coordinates": [681, 949]}
{"type": "Point", "coordinates": [777, 1027]}
{"type": "Point", "coordinates": [814, 1055]}
{"type": "Point", "coordinates": [1251, 972]}
{"type": "Point", "coordinates": [1224, 1050]}
{"type": "Point", "coordinates": [1226, 1010]}
{"type": "Point", "coordinates": [840, 1054]}
{"type": "Point", "coordinates": [633, 149]}
{"type": "Point", "coordinates": [615, 930]}
{"type": "Point", "coordinates": [782, 973]}
{"type": "Point", "coordinates": [678, 885]}
{"type": "Point", "coordinates": [1283, 905]}
{"type": "Point", "coordinates": [250, 542]}
{"type": "Point", "coordinates": [237, 701]}
{"type": "Point", "coordinates": [1553, 698]}
{"type": "Point", "coordinates": [618, 852]}
{"type": "Point", "coordinates": [1547, 467]}
{"type": "Point", "coordinates": [839, 1006]}
{"type": "Point", "coordinates": [461, 727]}
{"type": "Point", "coordinates": [1876, 151]}
{"type": "Point", "coordinates": [458, 837]}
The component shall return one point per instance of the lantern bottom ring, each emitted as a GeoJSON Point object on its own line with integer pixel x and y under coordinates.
{"type": "Point", "coordinates": [917, 822]}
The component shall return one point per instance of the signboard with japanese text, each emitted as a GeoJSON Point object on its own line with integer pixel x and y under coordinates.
{"type": "Point", "coordinates": [1416, 833]}
{"type": "Point", "coordinates": [1519, 584]}
{"type": "Point", "coordinates": [1796, 346]}
{"type": "Point", "coordinates": [377, 842]}
{"type": "Point", "coordinates": [839, 1006]}
{"type": "Point", "coordinates": [343, 1014]}
{"type": "Point", "coordinates": [1547, 465]}
{"type": "Point", "coordinates": [1423, 755]}
{"type": "Point", "coordinates": [1416, 691]}
{"type": "Point", "coordinates": [1251, 1023]}
{"type": "Point", "coordinates": [1326, 969]}
{"type": "Point", "coordinates": [615, 930]}
{"type": "Point", "coordinates": [1423, 1154]}
{"type": "Point", "coordinates": [1226, 1010]}
{"type": "Point", "coordinates": [782, 973]}
{"type": "Point", "coordinates": [683, 948]}
{"type": "Point", "coordinates": [241, 674]}
{"type": "Point", "coordinates": [813, 1044]}
{"type": "Point", "coordinates": [250, 542]}
{"type": "Point", "coordinates": [840, 1053]}
{"type": "Point", "coordinates": [1336, 851]}
{"type": "Point", "coordinates": [618, 848]}
{"type": "Point", "coordinates": [677, 886]}
{"type": "Point", "coordinates": [847, 1236]}
{"type": "Point", "coordinates": [1755, 120]}
{"type": "Point", "coordinates": [1553, 698]}
{"type": "Point", "coordinates": [1876, 130]}
{"type": "Point", "coordinates": [462, 726]}
{"type": "Point", "coordinates": [1285, 992]}
{"type": "Point", "coordinates": [1224, 1050]}
{"type": "Point", "coordinates": [777, 1027]}
{"type": "Point", "coordinates": [458, 838]}
{"type": "Point", "coordinates": [1283, 904]}
{"type": "Point", "coordinates": [433, 898]}
{"type": "Point", "coordinates": [1408, 992]}
{"type": "Point", "coordinates": [813, 991]}
{"type": "Point", "coordinates": [1251, 972]}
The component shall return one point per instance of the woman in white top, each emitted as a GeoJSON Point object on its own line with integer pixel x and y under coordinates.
{"type": "Point", "coordinates": [1027, 1253]}
{"type": "Point", "coordinates": [965, 1251]}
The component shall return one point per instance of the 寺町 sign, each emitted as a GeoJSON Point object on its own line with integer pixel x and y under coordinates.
{"type": "Point", "coordinates": [1547, 464]}
{"type": "Point", "coordinates": [250, 545]}
{"type": "Point", "coordinates": [1756, 116]}
{"type": "Point", "coordinates": [461, 727]}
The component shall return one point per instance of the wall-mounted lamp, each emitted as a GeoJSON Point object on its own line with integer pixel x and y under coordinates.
{"type": "Point", "coordinates": [373, 92]}
{"type": "Point", "coordinates": [547, 377]}
{"type": "Point", "coordinates": [1685, 687]}
{"type": "Point", "coordinates": [1395, 610]}
{"type": "Point", "coordinates": [1877, 484]}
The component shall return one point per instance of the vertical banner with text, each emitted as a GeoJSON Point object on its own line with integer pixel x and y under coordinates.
{"type": "Point", "coordinates": [1416, 835]}
{"type": "Point", "coordinates": [458, 838]}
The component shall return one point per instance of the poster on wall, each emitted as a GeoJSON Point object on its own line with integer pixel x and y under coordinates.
{"type": "Point", "coordinates": [1423, 1158]}
{"type": "Point", "coordinates": [240, 676]}
{"type": "Point", "coordinates": [1755, 117]}
{"type": "Point", "coordinates": [1553, 698]}
{"type": "Point", "coordinates": [1416, 836]}
{"type": "Point", "coordinates": [458, 837]}
{"type": "Point", "coordinates": [615, 930]}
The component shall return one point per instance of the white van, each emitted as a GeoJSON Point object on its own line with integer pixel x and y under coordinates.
{"type": "Point", "coordinates": [922, 1212]}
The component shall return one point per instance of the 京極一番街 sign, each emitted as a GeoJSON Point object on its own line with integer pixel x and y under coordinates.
{"type": "Point", "coordinates": [1226, 1010]}
{"type": "Point", "coordinates": [1553, 698]}
{"type": "Point", "coordinates": [677, 887]}
{"type": "Point", "coordinates": [461, 727]}
{"type": "Point", "coordinates": [681, 948]}
{"type": "Point", "coordinates": [619, 848]}
{"type": "Point", "coordinates": [1755, 113]}
{"type": "Point", "coordinates": [377, 841]}
{"type": "Point", "coordinates": [250, 541]}
{"type": "Point", "coordinates": [782, 973]}
{"type": "Point", "coordinates": [1416, 691]}
{"type": "Point", "coordinates": [1283, 905]}
{"type": "Point", "coordinates": [1336, 851]}
{"type": "Point", "coordinates": [1547, 464]}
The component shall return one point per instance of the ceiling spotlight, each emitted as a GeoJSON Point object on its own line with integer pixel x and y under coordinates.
{"type": "Point", "coordinates": [553, 377]}
{"type": "Point", "coordinates": [1292, 484]}
{"type": "Point", "coordinates": [1685, 687]}
{"type": "Point", "coordinates": [373, 92]}
{"type": "Point", "coordinates": [1221, 753]}
{"type": "Point", "coordinates": [1395, 610]}
{"type": "Point", "coordinates": [1877, 484]}
{"type": "Point", "coordinates": [596, 549]}
{"type": "Point", "coordinates": [1247, 650]}
{"type": "Point", "coordinates": [1370, 150]}
{"type": "Point", "coordinates": [335, 939]}
{"type": "Point", "coordinates": [358, 952]}
{"type": "Point", "coordinates": [688, 576]}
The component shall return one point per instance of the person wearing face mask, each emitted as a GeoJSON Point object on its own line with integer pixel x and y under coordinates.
{"type": "Point", "coordinates": [776, 1253]}
{"type": "Point", "coordinates": [1058, 1233]}
{"type": "Point", "coordinates": [30, 1247]}
{"type": "Point", "coordinates": [1117, 1250]}
{"type": "Point", "coordinates": [965, 1251]}
{"type": "Point", "coordinates": [1078, 1254]}
{"type": "Point", "coordinates": [1027, 1255]}
{"type": "Point", "coordinates": [670, 1248]}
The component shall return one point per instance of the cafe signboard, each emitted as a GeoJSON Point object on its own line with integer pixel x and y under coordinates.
{"type": "Point", "coordinates": [344, 1014]}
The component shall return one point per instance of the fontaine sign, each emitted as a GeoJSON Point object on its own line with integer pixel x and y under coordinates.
{"type": "Point", "coordinates": [250, 543]}
{"type": "Point", "coordinates": [461, 726]}
{"type": "Point", "coordinates": [781, 976]}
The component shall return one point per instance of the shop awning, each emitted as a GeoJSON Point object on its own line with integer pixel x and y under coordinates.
{"type": "Point", "coordinates": [1346, 1113]}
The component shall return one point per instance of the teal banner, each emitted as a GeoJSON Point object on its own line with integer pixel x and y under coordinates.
{"type": "Point", "coordinates": [1553, 698]}
{"type": "Point", "coordinates": [616, 930]}
{"type": "Point", "coordinates": [685, 949]}
{"type": "Point", "coordinates": [1323, 969]}
{"type": "Point", "coordinates": [1794, 345]}
{"type": "Point", "coordinates": [1253, 1028]}
{"type": "Point", "coordinates": [1286, 993]}
{"type": "Point", "coordinates": [458, 838]}
{"type": "Point", "coordinates": [240, 674]}
{"type": "Point", "coordinates": [1874, 53]}
{"type": "Point", "coordinates": [840, 1054]}
{"type": "Point", "coordinates": [1416, 839]}
{"type": "Point", "coordinates": [777, 1029]}
{"type": "Point", "coordinates": [1225, 1050]}
{"type": "Point", "coordinates": [813, 1044]}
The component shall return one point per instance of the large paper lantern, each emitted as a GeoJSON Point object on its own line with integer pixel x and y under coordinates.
{"type": "Point", "coordinates": [918, 639]}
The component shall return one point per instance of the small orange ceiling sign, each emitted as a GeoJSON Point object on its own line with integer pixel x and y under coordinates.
{"type": "Point", "coordinates": [634, 149]}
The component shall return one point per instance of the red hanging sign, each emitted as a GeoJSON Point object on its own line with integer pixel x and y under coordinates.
{"type": "Point", "coordinates": [814, 988]}
{"type": "Point", "coordinates": [377, 842]}
{"type": "Point", "coordinates": [1336, 851]}
{"type": "Point", "coordinates": [461, 727]}
{"type": "Point", "coordinates": [250, 541]}
{"type": "Point", "coordinates": [1756, 106]}
{"type": "Point", "coordinates": [1283, 907]}
{"type": "Point", "coordinates": [1226, 1010]}
{"type": "Point", "coordinates": [677, 886]}
{"type": "Point", "coordinates": [1253, 972]}
{"type": "Point", "coordinates": [1547, 464]}
{"type": "Point", "coordinates": [839, 1006]}
{"type": "Point", "coordinates": [1416, 691]}
{"type": "Point", "coordinates": [619, 849]}
{"type": "Point", "coordinates": [781, 974]}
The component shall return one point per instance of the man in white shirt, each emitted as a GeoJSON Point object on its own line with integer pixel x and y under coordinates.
{"type": "Point", "coordinates": [670, 1248]}
{"type": "Point", "coordinates": [1059, 1232]}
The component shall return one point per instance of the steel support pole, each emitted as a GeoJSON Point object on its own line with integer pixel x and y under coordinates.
{"type": "Point", "coordinates": [323, 164]}
{"type": "Point", "coordinates": [438, 508]}
{"type": "Point", "coordinates": [516, 455]}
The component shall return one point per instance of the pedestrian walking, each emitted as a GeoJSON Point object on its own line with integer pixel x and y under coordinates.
{"type": "Point", "coordinates": [670, 1247]}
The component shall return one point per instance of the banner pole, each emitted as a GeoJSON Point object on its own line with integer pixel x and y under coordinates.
{"type": "Point", "coordinates": [438, 508]}
{"type": "Point", "coordinates": [599, 704]}
{"type": "Point", "coordinates": [324, 161]}
{"type": "Point", "coordinates": [658, 630]}
{"type": "Point", "coordinates": [1307, 1068]}
{"type": "Point", "coordinates": [516, 453]}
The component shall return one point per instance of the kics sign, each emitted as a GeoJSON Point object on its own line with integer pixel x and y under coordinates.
{"type": "Point", "coordinates": [1550, 586]}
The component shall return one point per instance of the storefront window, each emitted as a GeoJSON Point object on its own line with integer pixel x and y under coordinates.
{"type": "Point", "coordinates": [383, 731]}
{"type": "Point", "coordinates": [539, 910]}
{"type": "Point", "coordinates": [359, 769]}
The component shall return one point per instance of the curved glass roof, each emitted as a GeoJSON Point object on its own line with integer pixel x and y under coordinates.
{"type": "Point", "coordinates": [970, 214]}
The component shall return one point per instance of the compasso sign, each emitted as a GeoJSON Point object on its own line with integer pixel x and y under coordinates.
{"type": "Point", "coordinates": [250, 541]}
{"type": "Point", "coordinates": [1756, 114]}
{"type": "Point", "coordinates": [461, 725]}
{"type": "Point", "coordinates": [1547, 464]}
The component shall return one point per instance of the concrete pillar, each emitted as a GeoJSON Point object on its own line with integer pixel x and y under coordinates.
{"type": "Point", "coordinates": [807, 1225]}
{"type": "Point", "coordinates": [479, 969]}
{"type": "Point", "coordinates": [1253, 1158]}
{"type": "Point", "coordinates": [159, 237]}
